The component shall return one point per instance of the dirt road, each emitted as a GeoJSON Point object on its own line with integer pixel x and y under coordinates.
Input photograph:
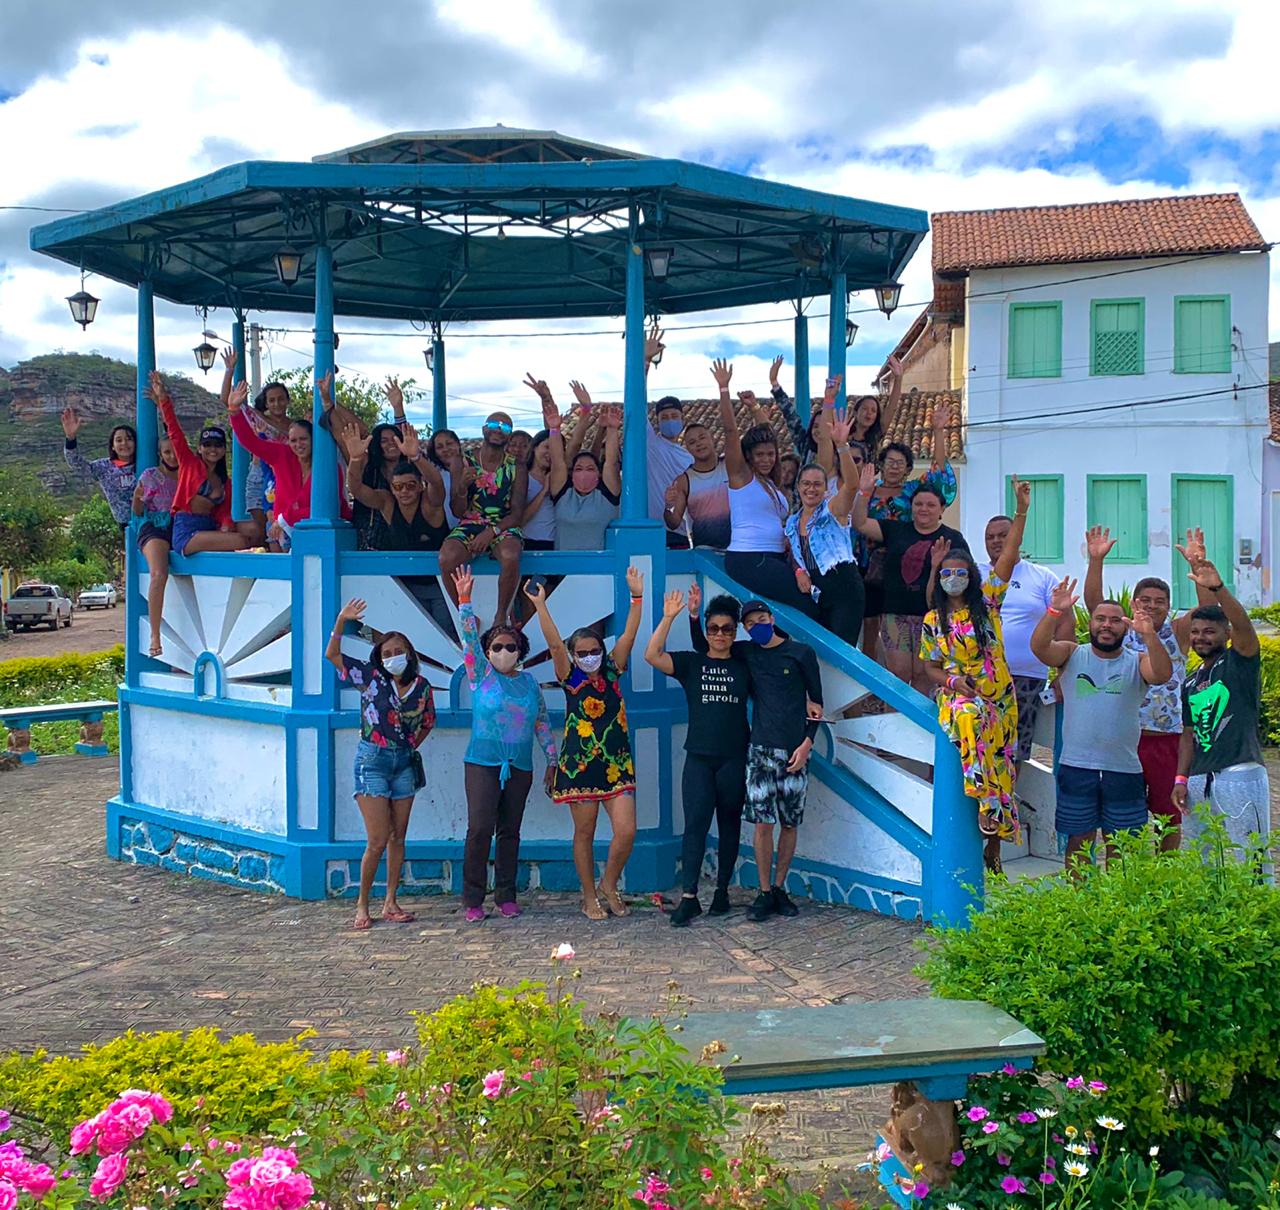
{"type": "Point", "coordinates": [91, 630]}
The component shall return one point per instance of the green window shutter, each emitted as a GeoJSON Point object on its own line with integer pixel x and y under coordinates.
{"type": "Point", "coordinates": [1206, 501]}
{"type": "Point", "coordinates": [1035, 340]}
{"type": "Point", "coordinates": [1043, 538]}
{"type": "Point", "coordinates": [1120, 503]}
{"type": "Point", "coordinates": [1116, 336]}
{"type": "Point", "coordinates": [1202, 334]}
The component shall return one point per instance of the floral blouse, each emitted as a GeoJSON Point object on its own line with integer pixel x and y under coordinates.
{"type": "Point", "coordinates": [1161, 708]}
{"type": "Point", "coordinates": [390, 718]}
{"type": "Point", "coordinates": [956, 648]}
{"type": "Point", "coordinates": [507, 712]}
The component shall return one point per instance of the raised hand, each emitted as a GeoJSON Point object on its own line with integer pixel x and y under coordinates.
{"type": "Point", "coordinates": [409, 443]}
{"type": "Point", "coordinates": [537, 593]}
{"type": "Point", "coordinates": [1098, 542]}
{"type": "Point", "coordinates": [749, 398]}
{"type": "Point", "coordinates": [229, 358]}
{"type": "Point", "coordinates": [1194, 550]}
{"type": "Point", "coordinates": [840, 424]}
{"type": "Point", "coordinates": [635, 581]}
{"type": "Point", "coordinates": [325, 387]}
{"type": "Point", "coordinates": [1143, 626]}
{"type": "Point", "coordinates": [831, 390]}
{"type": "Point", "coordinates": [774, 366]}
{"type": "Point", "coordinates": [551, 418]}
{"type": "Point", "coordinates": [942, 417]}
{"type": "Point", "coordinates": [463, 581]}
{"type": "Point", "coordinates": [895, 366]}
{"type": "Point", "coordinates": [612, 417]}
{"type": "Point", "coordinates": [71, 421]}
{"type": "Point", "coordinates": [722, 372]}
{"type": "Point", "coordinates": [1064, 596]}
{"type": "Point", "coordinates": [695, 600]}
{"type": "Point", "coordinates": [538, 387]}
{"type": "Point", "coordinates": [867, 480]}
{"type": "Point", "coordinates": [940, 549]}
{"type": "Point", "coordinates": [395, 396]}
{"type": "Point", "coordinates": [653, 346]}
{"type": "Point", "coordinates": [357, 447]}
{"type": "Point", "coordinates": [239, 397]}
{"type": "Point", "coordinates": [672, 604]}
{"type": "Point", "coordinates": [352, 611]}
{"type": "Point", "coordinates": [1022, 494]}
{"type": "Point", "coordinates": [581, 394]}
{"type": "Point", "coordinates": [1206, 575]}
{"type": "Point", "coordinates": [156, 388]}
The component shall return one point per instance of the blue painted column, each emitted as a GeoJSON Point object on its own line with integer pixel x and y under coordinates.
{"type": "Point", "coordinates": [439, 400]}
{"type": "Point", "coordinates": [953, 877]}
{"type": "Point", "coordinates": [146, 413]}
{"type": "Point", "coordinates": [803, 394]}
{"type": "Point", "coordinates": [135, 597]}
{"type": "Point", "coordinates": [835, 333]}
{"type": "Point", "coordinates": [324, 455]}
{"type": "Point", "coordinates": [240, 457]}
{"type": "Point", "coordinates": [635, 409]}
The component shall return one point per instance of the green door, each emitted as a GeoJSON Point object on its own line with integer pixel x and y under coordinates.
{"type": "Point", "coordinates": [1204, 501]}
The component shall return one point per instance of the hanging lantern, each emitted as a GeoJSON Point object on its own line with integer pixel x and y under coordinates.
{"type": "Point", "coordinates": [430, 354]}
{"type": "Point", "coordinates": [83, 304]}
{"type": "Point", "coordinates": [887, 297]}
{"type": "Point", "coordinates": [850, 331]}
{"type": "Point", "coordinates": [206, 355]}
{"type": "Point", "coordinates": [288, 265]}
{"type": "Point", "coordinates": [659, 262]}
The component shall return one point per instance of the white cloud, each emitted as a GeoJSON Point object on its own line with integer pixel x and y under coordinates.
{"type": "Point", "coordinates": [523, 26]}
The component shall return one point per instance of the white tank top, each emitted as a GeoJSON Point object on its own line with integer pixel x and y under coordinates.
{"type": "Point", "coordinates": [757, 516]}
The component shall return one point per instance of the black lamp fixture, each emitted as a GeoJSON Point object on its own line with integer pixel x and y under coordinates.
{"type": "Point", "coordinates": [658, 260]}
{"type": "Point", "coordinates": [887, 296]}
{"type": "Point", "coordinates": [206, 354]}
{"type": "Point", "coordinates": [83, 305]}
{"type": "Point", "coordinates": [850, 331]}
{"type": "Point", "coordinates": [288, 265]}
{"type": "Point", "coordinates": [429, 353]}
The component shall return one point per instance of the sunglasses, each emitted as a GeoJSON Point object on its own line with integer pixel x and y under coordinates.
{"type": "Point", "coordinates": [590, 652]}
{"type": "Point", "coordinates": [722, 630]}
{"type": "Point", "coordinates": [503, 647]}
{"type": "Point", "coordinates": [497, 426]}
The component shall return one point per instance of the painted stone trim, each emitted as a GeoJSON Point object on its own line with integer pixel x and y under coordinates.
{"type": "Point", "coordinates": [149, 843]}
{"type": "Point", "coordinates": [825, 888]}
{"type": "Point", "coordinates": [443, 876]}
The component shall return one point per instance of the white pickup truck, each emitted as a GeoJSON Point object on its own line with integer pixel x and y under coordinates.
{"type": "Point", "coordinates": [37, 605]}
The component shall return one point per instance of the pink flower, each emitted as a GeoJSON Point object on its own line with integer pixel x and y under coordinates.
{"type": "Point", "coordinates": [1011, 1184]}
{"type": "Point", "coordinates": [921, 1190]}
{"type": "Point", "coordinates": [1027, 1119]}
{"type": "Point", "coordinates": [397, 1058]}
{"type": "Point", "coordinates": [10, 1151]}
{"type": "Point", "coordinates": [36, 1179]}
{"type": "Point", "coordinates": [957, 1158]}
{"type": "Point", "coordinates": [990, 1127]}
{"type": "Point", "coordinates": [4, 1120]}
{"type": "Point", "coordinates": [160, 1109]}
{"type": "Point", "coordinates": [706, 1174]}
{"type": "Point", "coordinates": [1097, 1086]}
{"type": "Point", "coordinates": [1009, 1069]}
{"type": "Point", "coordinates": [83, 1134]}
{"type": "Point", "coordinates": [1003, 1160]}
{"type": "Point", "coordinates": [402, 1102]}
{"type": "Point", "coordinates": [563, 952]}
{"type": "Point", "coordinates": [109, 1176]}
{"type": "Point", "coordinates": [230, 1148]}
{"type": "Point", "coordinates": [1047, 1178]}
{"type": "Point", "coordinates": [268, 1182]}
{"type": "Point", "coordinates": [1075, 1082]}
{"type": "Point", "coordinates": [977, 1113]}
{"type": "Point", "coordinates": [493, 1084]}
{"type": "Point", "coordinates": [8, 1195]}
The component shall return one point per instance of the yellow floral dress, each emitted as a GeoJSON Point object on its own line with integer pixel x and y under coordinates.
{"type": "Point", "coordinates": [985, 728]}
{"type": "Point", "coordinates": [595, 759]}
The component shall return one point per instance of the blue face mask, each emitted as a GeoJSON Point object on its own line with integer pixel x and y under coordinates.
{"type": "Point", "coordinates": [760, 632]}
{"type": "Point", "coordinates": [671, 428]}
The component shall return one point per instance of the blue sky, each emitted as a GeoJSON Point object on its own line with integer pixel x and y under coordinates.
{"type": "Point", "coordinates": [994, 102]}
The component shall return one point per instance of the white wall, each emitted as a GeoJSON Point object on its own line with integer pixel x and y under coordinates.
{"type": "Point", "coordinates": [1008, 432]}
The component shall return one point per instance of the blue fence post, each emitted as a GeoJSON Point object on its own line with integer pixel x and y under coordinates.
{"type": "Point", "coordinates": [803, 394]}
{"type": "Point", "coordinates": [146, 411]}
{"type": "Point", "coordinates": [635, 409]}
{"type": "Point", "coordinates": [953, 881]}
{"type": "Point", "coordinates": [836, 363]}
{"type": "Point", "coordinates": [135, 596]}
{"type": "Point", "coordinates": [439, 398]}
{"type": "Point", "coordinates": [240, 457]}
{"type": "Point", "coordinates": [324, 458]}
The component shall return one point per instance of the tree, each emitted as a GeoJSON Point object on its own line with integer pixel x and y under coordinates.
{"type": "Point", "coordinates": [71, 575]}
{"type": "Point", "coordinates": [96, 534]}
{"type": "Point", "coordinates": [30, 520]}
{"type": "Point", "coordinates": [354, 391]}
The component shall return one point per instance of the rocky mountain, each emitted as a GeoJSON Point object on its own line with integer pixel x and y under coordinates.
{"type": "Point", "coordinates": [33, 394]}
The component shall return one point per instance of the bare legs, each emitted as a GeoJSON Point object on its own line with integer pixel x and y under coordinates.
{"type": "Point", "coordinates": [156, 553]}
{"type": "Point", "coordinates": [773, 873]}
{"type": "Point", "coordinates": [386, 821]}
{"type": "Point", "coordinates": [453, 554]}
{"type": "Point", "coordinates": [622, 817]}
{"type": "Point", "coordinates": [213, 539]}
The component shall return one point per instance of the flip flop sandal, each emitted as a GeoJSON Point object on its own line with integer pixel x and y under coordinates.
{"type": "Point", "coordinates": [594, 911]}
{"type": "Point", "coordinates": [363, 924]}
{"type": "Point", "coordinates": [399, 916]}
{"type": "Point", "coordinates": [613, 902]}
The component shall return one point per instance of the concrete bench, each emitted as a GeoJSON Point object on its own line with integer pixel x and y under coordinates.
{"type": "Point", "coordinates": [927, 1049]}
{"type": "Point", "coordinates": [20, 719]}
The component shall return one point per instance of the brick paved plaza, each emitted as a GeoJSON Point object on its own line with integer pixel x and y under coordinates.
{"type": "Point", "coordinates": [90, 948]}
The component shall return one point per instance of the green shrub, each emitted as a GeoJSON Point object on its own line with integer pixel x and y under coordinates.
{"type": "Point", "coordinates": [1266, 613]}
{"type": "Point", "coordinates": [1159, 977]}
{"type": "Point", "coordinates": [61, 678]}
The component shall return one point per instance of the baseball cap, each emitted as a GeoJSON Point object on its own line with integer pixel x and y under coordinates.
{"type": "Point", "coordinates": [213, 435]}
{"type": "Point", "coordinates": [757, 607]}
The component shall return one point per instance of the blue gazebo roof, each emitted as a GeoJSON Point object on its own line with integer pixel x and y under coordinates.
{"type": "Point", "coordinates": [485, 224]}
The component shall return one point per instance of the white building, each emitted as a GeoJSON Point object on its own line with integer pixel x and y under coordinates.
{"type": "Point", "coordinates": [1114, 354]}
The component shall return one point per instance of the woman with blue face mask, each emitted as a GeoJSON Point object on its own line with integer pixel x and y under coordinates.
{"type": "Point", "coordinates": [963, 653]}
{"type": "Point", "coordinates": [595, 768]}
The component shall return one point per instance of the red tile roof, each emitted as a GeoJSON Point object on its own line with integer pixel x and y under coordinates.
{"type": "Point", "coordinates": [1092, 231]}
{"type": "Point", "coordinates": [913, 423]}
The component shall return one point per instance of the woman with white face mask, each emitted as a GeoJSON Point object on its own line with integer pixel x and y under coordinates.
{"type": "Point", "coordinates": [397, 712]}
{"type": "Point", "coordinates": [963, 655]}
{"type": "Point", "coordinates": [507, 712]}
{"type": "Point", "coordinates": [595, 767]}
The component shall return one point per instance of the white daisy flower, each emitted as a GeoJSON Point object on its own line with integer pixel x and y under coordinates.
{"type": "Point", "coordinates": [1077, 1149]}
{"type": "Point", "coordinates": [1108, 1123]}
{"type": "Point", "coordinates": [1045, 1113]}
{"type": "Point", "coordinates": [1076, 1168]}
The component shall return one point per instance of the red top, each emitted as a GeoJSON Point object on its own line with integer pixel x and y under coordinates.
{"type": "Point", "coordinates": [293, 492]}
{"type": "Point", "coordinates": [193, 471]}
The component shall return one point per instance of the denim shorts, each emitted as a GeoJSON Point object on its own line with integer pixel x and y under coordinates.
{"type": "Point", "coordinates": [186, 526]}
{"type": "Point", "coordinates": [383, 772]}
{"type": "Point", "coordinates": [1089, 799]}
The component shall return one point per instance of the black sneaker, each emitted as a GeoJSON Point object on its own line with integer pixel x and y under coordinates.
{"type": "Point", "coordinates": [685, 911]}
{"type": "Point", "coordinates": [782, 903]}
{"type": "Point", "coordinates": [720, 903]}
{"type": "Point", "coordinates": [762, 906]}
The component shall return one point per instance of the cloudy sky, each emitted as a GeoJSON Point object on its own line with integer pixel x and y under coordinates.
{"type": "Point", "coordinates": [917, 102]}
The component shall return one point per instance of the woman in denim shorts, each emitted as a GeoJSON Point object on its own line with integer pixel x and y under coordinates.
{"type": "Point", "coordinates": [397, 712]}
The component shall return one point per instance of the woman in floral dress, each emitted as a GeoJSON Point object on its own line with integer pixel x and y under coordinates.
{"type": "Point", "coordinates": [963, 653]}
{"type": "Point", "coordinates": [595, 768]}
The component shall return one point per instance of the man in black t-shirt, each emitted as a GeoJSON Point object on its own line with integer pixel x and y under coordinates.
{"type": "Point", "coordinates": [784, 681]}
{"type": "Point", "coordinates": [1220, 757]}
{"type": "Point", "coordinates": [716, 684]}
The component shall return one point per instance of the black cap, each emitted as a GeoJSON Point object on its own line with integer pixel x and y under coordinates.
{"type": "Point", "coordinates": [213, 434]}
{"type": "Point", "coordinates": [757, 607]}
{"type": "Point", "coordinates": [668, 401]}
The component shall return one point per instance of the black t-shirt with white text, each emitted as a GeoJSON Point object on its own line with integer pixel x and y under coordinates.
{"type": "Point", "coordinates": [717, 692]}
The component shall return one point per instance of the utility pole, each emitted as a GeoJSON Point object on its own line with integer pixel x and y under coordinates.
{"type": "Point", "coordinates": [255, 360]}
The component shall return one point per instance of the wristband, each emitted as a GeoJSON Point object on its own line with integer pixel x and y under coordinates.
{"type": "Point", "coordinates": [555, 431]}
{"type": "Point", "coordinates": [637, 600]}
{"type": "Point", "coordinates": [1179, 780]}
{"type": "Point", "coordinates": [464, 601]}
{"type": "Point", "coordinates": [1057, 613]}
{"type": "Point", "coordinates": [1217, 587]}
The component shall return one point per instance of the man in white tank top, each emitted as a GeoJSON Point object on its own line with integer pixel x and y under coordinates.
{"type": "Point", "coordinates": [700, 497]}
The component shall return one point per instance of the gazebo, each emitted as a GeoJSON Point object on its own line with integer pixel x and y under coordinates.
{"type": "Point", "coordinates": [236, 748]}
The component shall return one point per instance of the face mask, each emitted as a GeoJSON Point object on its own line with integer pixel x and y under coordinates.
{"type": "Point", "coordinates": [954, 582]}
{"type": "Point", "coordinates": [585, 482]}
{"type": "Point", "coordinates": [504, 661]}
{"type": "Point", "coordinates": [760, 632]}
{"type": "Point", "coordinates": [396, 664]}
{"type": "Point", "coordinates": [589, 663]}
{"type": "Point", "coordinates": [671, 428]}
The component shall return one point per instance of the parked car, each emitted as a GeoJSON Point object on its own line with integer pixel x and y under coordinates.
{"type": "Point", "coordinates": [100, 596]}
{"type": "Point", "coordinates": [37, 605]}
